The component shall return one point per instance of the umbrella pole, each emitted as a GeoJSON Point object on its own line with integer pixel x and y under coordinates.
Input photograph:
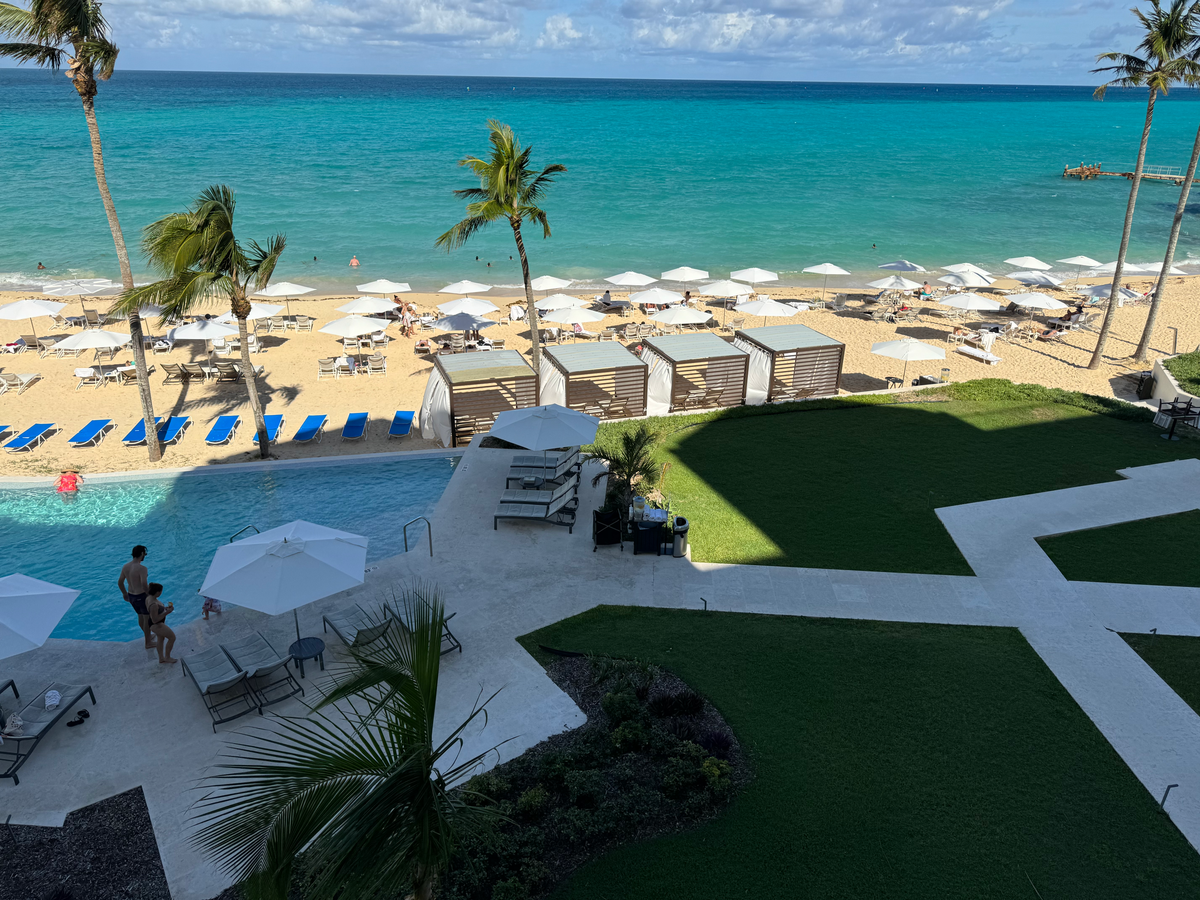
{"type": "Point", "coordinates": [296, 616]}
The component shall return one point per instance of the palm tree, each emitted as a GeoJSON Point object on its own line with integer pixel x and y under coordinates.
{"type": "Point", "coordinates": [1167, 49]}
{"type": "Point", "coordinates": [508, 189]}
{"type": "Point", "coordinates": [629, 464]}
{"type": "Point", "coordinates": [369, 796]}
{"type": "Point", "coordinates": [39, 34]}
{"type": "Point", "coordinates": [202, 260]}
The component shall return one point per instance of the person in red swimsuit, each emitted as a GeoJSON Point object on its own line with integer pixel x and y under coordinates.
{"type": "Point", "coordinates": [68, 483]}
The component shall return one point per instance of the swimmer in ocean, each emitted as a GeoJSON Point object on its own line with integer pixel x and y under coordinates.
{"type": "Point", "coordinates": [41, 267]}
{"type": "Point", "coordinates": [354, 262]}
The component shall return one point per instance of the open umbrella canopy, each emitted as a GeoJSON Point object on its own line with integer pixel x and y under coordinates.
{"type": "Point", "coordinates": [352, 326]}
{"type": "Point", "coordinates": [1111, 269]}
{"type": "Point", "coordinates": [1038, 278]}
{"type": "Point", "coordinates": [383, 286]}
{"type": "Point", "coordinates": [465, 287]}
{"type": "Point", "coordinates": [907, 349]}
{"type": "Point", "coordinates": [549, 283]}
{"type": "Point", "coordinates": [657, 296]}
{"type": "Point", "coordinates": [1034, 300]}
{"type": "Point", "coordinates": [960, 268]}
{"type": "Point", "coordinates": [93, 339]}
{"type": "Point", "coordinates": [630, 279]}
{"type": "Point", "coordinates": [257, 311]}
{"type": "Point", "coordinates": [894, 283]}
{"type": "Point", "coordinates": [30, 308]}
{"type": "Point", "coordinates": [902, 265]}
{"type": "Point", "coordinates": [754, 275]}
{"type": "Point", "coordinates": [684, 274]}
{"type": "Point", "coordinates": [462, 322]}
{"type": "Point", "coordinates": [681, 315]}
{"type": "Point", "coordinates": [1156, 268]}
{"type": "Point", "coordinates": [545, 427]}
{"type": "Point", "coordinates": [284, 289]}
{"type": "Point", "coordinates": [471, 305]}
{"type": "Point", "coordinates": [561, 301]}
{"type": "Point", "coordinates": [826, 269]}
{"type": "Point", "coordinates": [29, 611]}
{"type": "Point", "coordinates": [967, 279]}
{"type": "Point", "coordinates": [366, 306]}
{"type": "Point", "coordinates": [202, 330]}
{"type": "Point", "coordinates": [765, 308]}
{"type": "Point", "coordinates": [572, 315]}
{"type": "Point", "coordinates": [1103, 290]}
{"type": "Point", "coordinates": [1028, 262]}
{"type": "Point", "coordinates": [1080, 261]}
{"type": "Point", "coordinates": [724, 288]}
{"type": "Point", "coordinates": [971, 301]}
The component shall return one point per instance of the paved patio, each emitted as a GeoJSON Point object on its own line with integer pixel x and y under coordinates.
{"type": "Point", "coordinates": [150, 727]}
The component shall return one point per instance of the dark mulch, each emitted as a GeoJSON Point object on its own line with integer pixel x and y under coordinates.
{"type": "Point", "coordinates": [105, 851]}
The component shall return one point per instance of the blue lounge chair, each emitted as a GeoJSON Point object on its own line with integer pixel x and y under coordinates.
{"type": "Point", "coordinates": [355, 428]}
{"type": "Point", "coordinates": [311, 429]}
{"type": "Point", "coordinates": [91, 433]}
{"type": "Point", "coordinates": [274, 426]}
{"type": "Point", "coordinates": [29, 438]}
{"type": "Point", "coordinates": [223, 431]}
{"type": "Point", "coordinates": [137, 434]}
{"type": "Point", "coordinates": [173, 430]}
{"type": "Point", "coordinates": [401, 424]}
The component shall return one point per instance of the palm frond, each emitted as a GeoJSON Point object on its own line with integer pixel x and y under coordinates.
{"type": "Point", "coordinates": [20, 24]}
{"type": "Point", "coordinates": [262, 261]}
{"type": "Point", "coordinates": [101, 56]}
{"type": "Point", "coordinates": [462, 232]}
{"type": "Point", "coordinates": [38, 54]}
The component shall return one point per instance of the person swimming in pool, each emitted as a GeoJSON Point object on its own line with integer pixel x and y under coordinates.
{"type": "Point", "coordinates": [67, 484]}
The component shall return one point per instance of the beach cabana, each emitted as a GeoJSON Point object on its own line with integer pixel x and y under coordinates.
{"type": "Point", "coordinates": [466, 391]}
{"type": "Point", "coordinates": [790, 362]}
{"type": "Point", "coordinates": [602, 379]}
{"type": "Point", "coordinates": [693, 371]}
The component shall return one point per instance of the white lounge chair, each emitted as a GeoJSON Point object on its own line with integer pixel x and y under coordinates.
{"type": "Point", "coordinates": [18, 381]}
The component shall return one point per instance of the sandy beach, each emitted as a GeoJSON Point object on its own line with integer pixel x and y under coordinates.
{"type": "Point", "coordinates": [290, 385]}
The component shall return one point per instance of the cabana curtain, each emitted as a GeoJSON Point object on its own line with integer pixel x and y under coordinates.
{"type": "Point", "coordinates": [554, 385]}
{"type": "Point", "coordinates": [661, 380]}
{"type": "Point", "coordinates": [435, 411]}
{"type": "Point", "coordinates": [758, 380]}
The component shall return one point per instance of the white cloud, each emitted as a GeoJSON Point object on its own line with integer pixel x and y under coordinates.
{"type": "Point", "coordinates": [560, 33]}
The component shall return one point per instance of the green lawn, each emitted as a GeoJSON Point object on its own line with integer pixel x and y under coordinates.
{"type": "Point", "coordinates": [1186, 369]}
{"type": "Point", "coordinates": [856, 487]}
{"type": "Point", "coordinates": [1162, 550]}
{"type": "Point", "coordinates": [892, 761]}
{"type": "Point", "coordinates": [1176, 659]}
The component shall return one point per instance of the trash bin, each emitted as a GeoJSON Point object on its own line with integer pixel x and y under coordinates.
{"type": "Point", "coordinates": [681, 533]}
{"type": "Point", "coordinates": [1145, 388]}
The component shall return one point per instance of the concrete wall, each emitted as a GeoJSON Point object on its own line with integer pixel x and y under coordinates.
{"type": "Point", "coordinates": [1165, 385]}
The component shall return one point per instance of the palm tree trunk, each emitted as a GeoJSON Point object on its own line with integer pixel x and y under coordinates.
{"type": "Point", "coordinates": [135, 321]}
{"type": "Point", "coordinates": [260, 424]}
{"type": "Point", "coordinates": [1098, 354]}
{"type": "Point", "coordinates": [536, 350]}
{"type": "Point", "coordinates": [1143, 348]}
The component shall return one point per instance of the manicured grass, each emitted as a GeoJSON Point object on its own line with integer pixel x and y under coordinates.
{"type": "Point", "coordinates": [892, 761]}
{"type": "Point", "coordinates": [1186, 369]}
{"type": "Point", "coordinates": [1161, 550]}
{"type": "Point", "coordinates": [855, 486]}
{"type": "Point", "coordinates": [1176, 659]}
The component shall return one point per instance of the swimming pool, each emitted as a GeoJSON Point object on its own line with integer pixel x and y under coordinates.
{"type": "Point", "coordinates": [183, 519]}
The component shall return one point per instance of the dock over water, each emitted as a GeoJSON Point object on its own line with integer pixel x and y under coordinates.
{"type": "Point", "coordinates": [1085, 171]}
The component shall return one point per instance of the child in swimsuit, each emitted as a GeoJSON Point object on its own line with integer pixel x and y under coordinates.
{"type": "Point", "coordinates": [211, 604]}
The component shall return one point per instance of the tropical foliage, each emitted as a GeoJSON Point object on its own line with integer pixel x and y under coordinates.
{"type": "Point", "coordinates": [628, 458]}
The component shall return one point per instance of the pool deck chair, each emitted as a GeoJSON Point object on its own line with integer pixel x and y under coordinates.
{"type": "Point", "coordinates": [401, 424]}
{"type": "Point", "coordinates": [137, 434]}
{"type": "Point", "coordinates": [173, 430]}
{"type": "Point", "coordinates": [92, 433]}
{"type": "Point", "coordinates": [355, 428]}
{"type": "Point", "coordinates": [311, 429]}
{"type": "Point", "coordinates": [274, 426]}
{"type": "Point", "coordinates": [560, 511]}
{"type": "Point", "coordinates": [37, 723]}
{"type": "Point", "coordinates": [225, 691]}
{"type": "Point", "coordinates": [223, 430]}
{"type": "Point", "coordinates": [266, 670]}
{"type": "Point", "coordinates": [355, 626]}
{"type": "Point", "coordinates": [30, 437]}
{"type": "Point", "coordinates": [449, 642]}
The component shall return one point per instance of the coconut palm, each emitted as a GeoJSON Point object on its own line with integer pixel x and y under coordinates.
{"type": "Point", "coordinates": [367, 792]}
{"type": "Point", "coordinates": [40, 35]}
{"type": "Point", "coordinates": [202, 261]}
{"type": "Point", "coordinates": [629, 463]}
{"type": "Point", "coordinates": [508, 189]}
{"type": "Point", "coordinates": [1167, 58]}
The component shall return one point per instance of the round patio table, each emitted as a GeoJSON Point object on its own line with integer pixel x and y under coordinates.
{"type": "Point", "coordinates": [308, 648]}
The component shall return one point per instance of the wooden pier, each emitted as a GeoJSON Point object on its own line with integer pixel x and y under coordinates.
{"type": "Point", "coordinates": [1084, 171]}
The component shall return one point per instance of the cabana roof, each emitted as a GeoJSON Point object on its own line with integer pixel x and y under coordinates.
{"type": "Point", "coordinates": [688, 347]}
{"type": "Point", "coordinates": [785, 338]}
{"type": "Point", "coordinates": [490, 365]}
{"type": "Point", "coordinates": [576, 358]}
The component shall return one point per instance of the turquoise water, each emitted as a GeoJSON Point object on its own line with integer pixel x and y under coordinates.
{"type": "Point", "coordinates": [717, 175]}
{"type": "Point", "coordinates": [182, 521]}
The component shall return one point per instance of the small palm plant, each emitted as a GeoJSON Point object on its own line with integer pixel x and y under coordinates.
{"type": "Point", "coordinates": [369, 795]}
{"type": "Point", "coordinates": [202, 262]}
{"type": "Point", "coordinates": [629, 464]}
{"type": "Point", "coordinates": [508, 189]}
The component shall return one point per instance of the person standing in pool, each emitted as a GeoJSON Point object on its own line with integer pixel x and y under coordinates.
{"type": "Point", "coordinates": [134, 584]}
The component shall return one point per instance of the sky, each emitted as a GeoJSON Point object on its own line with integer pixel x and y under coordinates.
{"type": "Point", "coordinates": [943, 41]}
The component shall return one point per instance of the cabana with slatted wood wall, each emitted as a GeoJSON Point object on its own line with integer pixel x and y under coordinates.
{"type": "Point", "coordinates": [694, 371]}
{"type": "Point", "coordinates": [466, 391]}
{"type": "Point", "coordinates": [790, 362]}
{"type": "Point", "coordinates": [601, 379]}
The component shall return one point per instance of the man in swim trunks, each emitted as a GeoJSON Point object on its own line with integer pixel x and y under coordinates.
{"type": "Point", "coordinates": [354, 262]}
{"type": "Point", "coordinates": [135, 584]}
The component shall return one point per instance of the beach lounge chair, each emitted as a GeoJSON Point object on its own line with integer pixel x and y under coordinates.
{"type": "Point", "coordinates": [327, 368]}
{"type": "Point", "coordinates": [355, 428]}
{"type": "Point", "coordinates": [127, 375]}
{"type": "Point", "coordinates": [137, 434]}
{"type": "Point", "coordinates": [355, 626]}
{"type": "Point", "coordinates": [173, 430]}
{"type": "Point", "coordinates": [37, 722]}
{"type": "Point", "coordinates": [18, 381]}
{"type": "Point", "coordinates": [88, 376]}
{"type": "Point", "coordinates": [30, 437]}
{"type": "Point", "coordinates": [6, 430]}
{"type": "Point", "coordinates": [548, 495]}
{"type": "Point", "coordinates": [227, 370]}
{"type": "Point", "coordinates": [310, 430]}
{"type": "Point", "coordinates": [161, 345]}
{"type": "Point", "coordinates": [223, 430]}
{"type": "Point", "coordinates": [558, 512]}
{"type": "Point", "coordinates": [92, 433]}
{"type": "Point", "coordinates": [224, 689]}
{"type": "Point", "coordinates": [545, 461]}
{"type": "Point", "coordinates": [274, 426]}
{"type": "Point", "coordinates": [450, 643]}
{"type": "Point", "coordinates": [376, 365]}
{"type": "Point", "coordinates": [175, 373]}
{"type": "Point", "coordinates": [304, 323]}
{"type": "Point", "coordinates": [498, 343]}
{"type": "Point", "coordinates": [93, 319]}
{"type": "Point", "coordinates": [982, 355]}
{"type": "Point", "coordinates": [198, 371]}
{"type": "Point", "coordinates": [402, 423]}
{"type": "Point", "coordinates": [46, 346]}
{"type": "Point", "coordinates": [276, 323]}
{"type": "Point", "coordinates": [566, 468]}
{"type": "Point", "coordinates": [266, 670]}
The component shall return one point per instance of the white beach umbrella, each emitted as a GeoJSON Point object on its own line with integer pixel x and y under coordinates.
{"type": "Point", "coordinates": [754, 275]}
{"type": "Point", "coordinates": [1079, 262]}
{"type": "Point", "coordinates": [1103, 290]}
{"type": "Point", "coordinates": [75, 286]}
{"type": "Point", "coordinates": [1028, 262]}
{"type": "Point", "coordinates": [561, 301]}
{"type": "Point", "coordinates": [286, 290]}
{"type": "Point", "coordinates": [826, 269]}
{"type": "Point", "coordinates": [30, 309]}
{"type": "Point", "coordinates": [571, 315]}
{"type": "Point", "coordinates": [684, 275]}
{"type": "Point", "coordinates": [971, 301]}
{"type": "Point", "coordinates": [366, 306]}
{"type": "Point", "coordinates": [894, 283]}
{"type": "Point", "coordinates": [1111, 269]}
{"type": "Point", "coordinates": [383, 286]}
{"type": "Point", "coordinates": [681, 315]}
{"type": "Point", "coordinates": [29, 611]}
{"type": "Point", "coordinates": [545, 427]}
{"type": "Point", "coordinates": [352, 326]}
{"type": "Point", "coordinates": [960, 268]}
{"type": "Point", "coordinates": [967, 279]}
{"type": "Point", "coordinates": [202, 330]}
{"type": "Point", "coordinates": [630, 279]}
{"type": "Point", "coordinates": [257, 311]}
{"type": "Point", "coordinates": [286, 567]}
{"type": "Point", "coordinates": [465, 287]}
{"type": "Point", "coordinates": [907, 349]}
{"type": "Point", "coordinates": [724, 288]}
{"type": "Point", "coordinates": [767, 309]}
{"type": "Point", "coordinates": [471, 305]}
{"type": "Point", "coordinates": [93, 339]}
{"type": "Point", "coordinates": [549, 283]}
{"type": "Point", "coordinates": [1156, 268]}
{"type": "Point", "coordinates": [463, 322]}
{"type": "Point", "coordinates": [1038, 278]}
{"type": "Point", "coordinates": [1033, 300]}
{"type": "Point", "coordinates": [656, 296]}
{"type": "Point", "coordinates": [902, 265]}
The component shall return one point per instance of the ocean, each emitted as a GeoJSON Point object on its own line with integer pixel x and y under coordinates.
{"type": "Point", "coordinates": [715, 175]}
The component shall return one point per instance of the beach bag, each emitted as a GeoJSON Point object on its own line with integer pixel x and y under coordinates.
{"type": "Point", "coordinates": [14, 725]}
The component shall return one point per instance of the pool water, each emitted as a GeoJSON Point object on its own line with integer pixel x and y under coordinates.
{"type": "Point", "coordinates": [82, 543]}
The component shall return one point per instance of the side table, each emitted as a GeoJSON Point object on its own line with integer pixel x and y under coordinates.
{"type": "Point", "coordinates": [308, 648]}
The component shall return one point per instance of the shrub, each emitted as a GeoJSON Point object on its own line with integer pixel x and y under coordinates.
{"type": "Point", "coordinates": [716, 774]}
{"type": "Point", "coordinates": [580, 825]}
{"type": "Point", "coordinates": [485, 789]}
{"type": "Point", "coordinates": [680, 729]}
{"type": "Point", "coordinates": [684, 773]}
{"type": "Point", "coordinates": [532, 802]}
{"type": "Point", "coordinates": [585, 789]}
{"type": "Point", "coordinates": [629, 736]}
{"type": "Point", "coordinates": [621, 706]}
{"type": "Point", "coordinates": [716, 742]}
{"type": "Point", "coordinates": [512, 889]}
{"type": "Point", "coordinates": [684, 703]}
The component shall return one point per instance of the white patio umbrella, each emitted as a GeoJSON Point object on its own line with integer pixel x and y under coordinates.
{"type": "Point", "coordinates": [561, 301]}
{"type": "Point", "coordinates": [93, 339]}
{"type": "Point", "coordinates": [77, 286]}
{"type": "Point", "coordinates": [1103, 290]}
{"type": "Point", "coordinates": [353, 326]}
{"type": "Point", "coordinates": [1032, 300]}
{"type": "Point", "coordinates": [1080, 263]}
{"type": "Point", "coordinates": [257, 311]}
{"type": "Point", "coordinates": [971, 301]}
{"type": "Point", "coordinates": [202, 330]}
{"type": "Point", "coordinates": [907, 349]}
{"type": "Point", "coordinates": [960, 268]}
{"type": "Point", "coordinates": [681, 315]}
{"type": "Point", "coordinates": [724, 288]}
{"type": "Point", "coordinates": [286, 290]}
{"type": "Point", "coordinates": [545, 427]}
{"type": "Point", "coordinates": [571, 315]}
{"type": "Point", "coordinates": [630, 279]}
{"type": "Point", "coordinates": [286, 567]}
{"type": "Point", "coordinates": [684, 275]}
{"type": "Point", "coordinates": [826, 269]}
{"type": "Point", "coordinates": [365, 306]}
{"type": "Point", "coordinates": [967, 279]}
{"type": "Point", "coordinates": [29, 610]}
{"type": "Point", "coordinates": [767, 309]}
{"type": "Point", "coordinates": [656, 296]}
{"type": "Point", "coordinates": [754, 275]}
{"type": "Point", "coordinates": [30, 309]}
{"type": "Point", "coordinates": [1028, 262]}
{"type": "Point", "coordinates": [471, 305]}
{"type": "Point", "coordinates": [894, 283]}
{"type": "Point", "coordinates": [902, 265]}
{"type": "Point", "coordinates": [463, 322]}
{"type": "Point", "coordinates": [549, 283]}
{"type": "Point", "coordinates": [1156, 268]}
{"type": "Point", "coordinates": [1039, 278]}
{"type": "Point", "coordinates": [383, 286]}
{"type": "Point", "coordinates": [465, 287]}
{"type": "Point", "coordinates": [1111, 269]}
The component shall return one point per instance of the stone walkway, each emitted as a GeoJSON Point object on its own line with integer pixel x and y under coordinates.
{"type": "Point", "coordinates": [150, 727]}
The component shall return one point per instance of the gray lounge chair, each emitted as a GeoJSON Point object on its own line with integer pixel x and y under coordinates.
{"type": "Point", "coordinates": [37, 723]}
{"type": "Point", "coordinates": [558, 512]}
{"type": "Point", "coordinates": [543, 497]}
{"type": "Point", "coordinates": [264, 667]}
{"type": "Point", "coordinates": [567, 465]}
{"type": "Point", "coordinates": [222, 687]}
{"type": "Point", "coordinates": [355, 626]}
{"type": "Point", "coordinates": [545, 460]}
{"type": "Point", "coordinates": [449, 642]}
